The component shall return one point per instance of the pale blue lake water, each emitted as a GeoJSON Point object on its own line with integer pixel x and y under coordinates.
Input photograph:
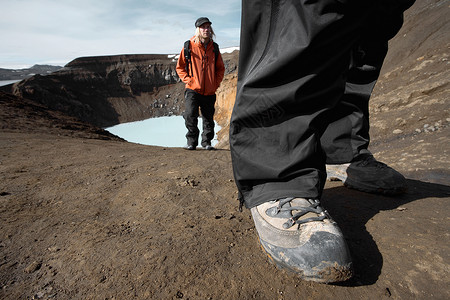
{"type": "Point", "coordinates": [162, 131]}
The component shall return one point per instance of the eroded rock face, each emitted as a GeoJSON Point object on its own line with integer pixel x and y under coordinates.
{"type": "Point", "coordinates": [134, 74]}
{"type": "Point", "coordinates": [107, 90]}
{"type": "Point", "coordinates": [226, 95]}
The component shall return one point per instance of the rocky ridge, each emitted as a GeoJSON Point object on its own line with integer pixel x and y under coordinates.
{"type": "Point", "coordinates": [108, 90]}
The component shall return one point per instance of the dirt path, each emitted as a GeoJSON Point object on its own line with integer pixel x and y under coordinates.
{"type": "Point", "coordinates": [95, 219]}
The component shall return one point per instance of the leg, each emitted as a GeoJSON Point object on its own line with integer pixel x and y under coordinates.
{"type": "Point", "coordinates": [348, 132]}
{"type": "Point", "coordinates": [207, 108]}
{"type": "Point", "coordinates": [293, 66]}
{"type": "Point", "coordinates": [292, 71]}
{"type": "Point", "coordinates": [346, 139]}
{"type": "Point", "coordinates": [191, 117]}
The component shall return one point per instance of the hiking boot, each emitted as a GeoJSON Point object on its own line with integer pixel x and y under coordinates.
{"type": "Point", "coordinates": [189, 147]}
{"type": "Point", "coordinates": [367, 174]}
{"type": "Point", "coordinates": [209, 147]}
{"type": "Point", "coordinates": [298, 235]}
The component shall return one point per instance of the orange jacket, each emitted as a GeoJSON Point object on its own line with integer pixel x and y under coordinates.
{"type": "Point", "coordinates": [205, 74]}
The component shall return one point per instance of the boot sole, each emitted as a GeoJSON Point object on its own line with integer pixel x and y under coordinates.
{"type": "Point", "coordinates": [328, 275]}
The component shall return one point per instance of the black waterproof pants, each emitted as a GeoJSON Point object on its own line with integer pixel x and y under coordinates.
{"type": "Point", "coordinates": [194, 101]}
{"type": "Point", "coordinates": [306, 72]}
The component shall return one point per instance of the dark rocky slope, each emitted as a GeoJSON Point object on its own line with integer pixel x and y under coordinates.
{"type": "Point", "coordinates": [17, 113]}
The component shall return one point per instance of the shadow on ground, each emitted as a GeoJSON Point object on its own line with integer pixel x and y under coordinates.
{"type": "Point", "coordinates": [354, 210]}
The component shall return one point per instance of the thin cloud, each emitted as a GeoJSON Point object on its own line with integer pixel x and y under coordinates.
{"type": "Point", "coordinates": [49, 31]}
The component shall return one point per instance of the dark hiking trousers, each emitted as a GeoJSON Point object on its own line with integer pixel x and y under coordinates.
{"type": "Point", "coordinates": [194, 101]}
{"type": "Point", "coordinates": [306, 72]}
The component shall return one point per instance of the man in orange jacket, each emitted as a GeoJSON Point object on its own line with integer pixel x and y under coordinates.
{"type": "Point", "coordinates": [202, 71]}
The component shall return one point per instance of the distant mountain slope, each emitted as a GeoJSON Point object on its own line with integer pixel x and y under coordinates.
{"type": "Point", "coordinates": [19, 74]}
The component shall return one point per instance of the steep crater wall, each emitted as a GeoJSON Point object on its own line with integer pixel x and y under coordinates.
{"type": "Point", "coordinates": [108, 90]}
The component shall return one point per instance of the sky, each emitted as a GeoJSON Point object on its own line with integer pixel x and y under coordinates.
{"type": "Point", "coordinates": [55, 32]}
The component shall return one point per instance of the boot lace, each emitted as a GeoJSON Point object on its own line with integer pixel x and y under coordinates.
{"type": "Point", "coordinates": [278, 210]}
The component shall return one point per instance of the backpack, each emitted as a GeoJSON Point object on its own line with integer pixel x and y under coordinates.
{"type": "Point", "coordinates": [187, 53]}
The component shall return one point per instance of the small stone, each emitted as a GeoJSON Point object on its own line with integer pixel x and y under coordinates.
{"type": "Point", "coordinates": [397, 131]}
{"type": "Point", "coordinates": [39, 295]}
{"type": "Point", "coordinates": [33, 267]}
{"type": "Point", "coordinates": [101, 278]}
{"type": "Point", "coordinates": [53, 249]}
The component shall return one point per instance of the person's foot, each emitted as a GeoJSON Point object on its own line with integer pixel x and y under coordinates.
{"type": "Point", "coordinates": [298, 235]}
{"type": "Point", "coordinates": [209, 147]}
{"type": "Point", "coordinates": [367, 174]}
{"type": "Point", "coordinates": [189, 147]}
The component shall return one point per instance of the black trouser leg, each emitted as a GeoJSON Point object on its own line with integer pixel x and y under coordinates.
{"type": "Point", "coordinates": [347, 135]}
{"type": "Point", "coordinates": [191, 114]}
{"type": "Point", "coordinates": [348, 132]}
{"type": "Point", "coordinates": [294, 59]}
{"type": "Point", "coordinates": [207, 108]}
{"type": "Point", "coordinates": [193, 102]}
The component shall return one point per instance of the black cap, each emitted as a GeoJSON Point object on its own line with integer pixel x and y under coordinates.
{"type": "Point", "coordinates": [201, 21]}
